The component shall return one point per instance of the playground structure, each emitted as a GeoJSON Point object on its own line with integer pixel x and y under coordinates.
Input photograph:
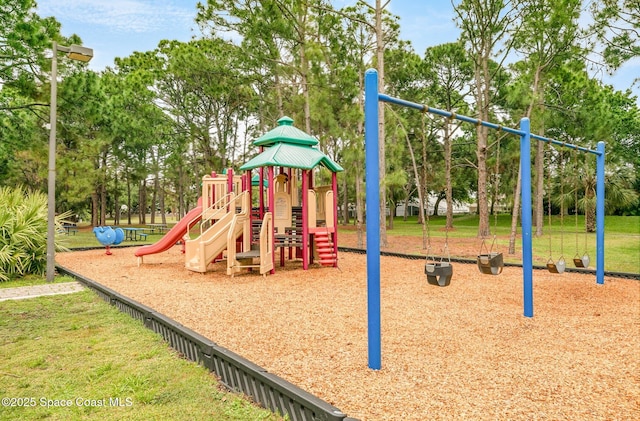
{"type": "Point", "coordinates": [372, 99]}
{"type": "Point", "coordinates": [296, 217]}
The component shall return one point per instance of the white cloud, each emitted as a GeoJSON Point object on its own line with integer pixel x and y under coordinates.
{"type": "Point", "coordinates": [134, 16]}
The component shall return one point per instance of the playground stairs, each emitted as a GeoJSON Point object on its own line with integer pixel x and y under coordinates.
{"type": "Point", "coordinates": [324, 246]}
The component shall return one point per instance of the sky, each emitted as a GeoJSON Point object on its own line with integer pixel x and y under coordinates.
{"type": "Point", "coordinates": [117, 28]}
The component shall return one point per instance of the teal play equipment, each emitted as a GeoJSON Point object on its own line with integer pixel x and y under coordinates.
{"type": "Point", "coordinates": [108, 236]}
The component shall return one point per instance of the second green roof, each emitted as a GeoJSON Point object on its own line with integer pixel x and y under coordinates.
{"type": "Point", "coordinates": [285, 132]}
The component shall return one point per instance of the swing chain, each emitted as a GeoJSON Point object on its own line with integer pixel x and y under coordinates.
{"type": "Point", "coordinates": [549, 204]}
{"type": "Point", "coordinates": [575, 198]}
{"type": "Point", "coordinates": [496, 175]}
{"type": "Point", "coordinates": [561, 203]}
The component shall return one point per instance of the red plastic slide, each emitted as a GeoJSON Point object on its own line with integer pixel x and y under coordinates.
{"type": "Point", "coordinates": [174, 235]}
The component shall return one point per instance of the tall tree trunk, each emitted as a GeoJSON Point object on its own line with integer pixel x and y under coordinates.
{"type": "Point", "coordinates": [103, 192]}
{"type": "Point", "coordinates": [116, 199]}
{"type": "Point", "coordinates": [590, 211]}
{"type": "Point", "coordinates": [154, 197]}
{"type": "Point", "coordinates": [538, 220]}
{"type": "Point", "coordinates": [381, 128]}
{"type": "Point", "coordinates": [358, 170]}
{"type": "Point", "coordinates": [103, 204]}
{"type": "Point", "coordinates": [278, 89]}
{"type": "Point", "coordinates": [482, 78]}
{"type": "Point", "coordinates": [181, 210]}
{"type": "Point", "coordinates": [142, 207]}
{"type": "Point", "coordinates": [424, 202]}
{"type": "Point", "coordinates": [345, 202]}
{"type": "Point", "coordinates": [436, 206]}
{"type": "Point", "coordinates": [406, 207]}
{"type": "Point", "coordinates": [128, 201]}
{"type": "Point", "coordinates": [95, 205]}
{"type": "Point", "coordinates": [419, 185]}
{"type": "Point", "coordinates": [163, 210]}
{"type": "Point", "coordinates": [359, 207]}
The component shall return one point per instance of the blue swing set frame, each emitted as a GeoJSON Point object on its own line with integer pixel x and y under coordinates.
{"type": "Point", "coordinates": [372, 98]}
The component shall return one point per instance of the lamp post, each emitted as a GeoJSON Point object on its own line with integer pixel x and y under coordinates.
{"type": "Point", "coordinates": [74, 52]}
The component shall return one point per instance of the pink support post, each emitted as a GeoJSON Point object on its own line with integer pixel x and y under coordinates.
{"type": "Point", "coordinates": [305, 222]}
{"type": "Point", "coordinates": [230, 180]}
{"type": "Point", "coordinates": [290, 190]}
{"type": "Point", "coordinates": [271, 209]}
{"type": "Point", "coordinates": [249, 189]}
{"type": "Point", "coordinates": [261, 190]}
{"type": "Point", "coordinates": [334, 187]}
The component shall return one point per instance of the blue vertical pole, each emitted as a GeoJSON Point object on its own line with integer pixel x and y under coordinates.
{"type": "Point", "coordinates": [372, 172]}
{"type": "Point", "coordinates": [525, 175]}
{"type": "Point", "coordinates": [600, 214]}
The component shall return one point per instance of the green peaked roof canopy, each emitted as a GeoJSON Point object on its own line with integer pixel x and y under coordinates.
{"type": "Point", "coordinates": [289, 147]}
{"type": "Point", "coordinates": [291, 156]}
{"type": "Point", "coordinates": [285, 132]}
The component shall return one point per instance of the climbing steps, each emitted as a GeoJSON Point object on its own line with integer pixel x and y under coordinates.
{"type": "Point", "coordinates": [326, 252]}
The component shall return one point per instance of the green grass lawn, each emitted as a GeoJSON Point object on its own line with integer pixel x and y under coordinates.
{"type": "Point", "coordinates": [33, 280]}
{"type": "Point", "coordinates": [74, 357]}
{"type": "Point", "coordinates": [622, 238]}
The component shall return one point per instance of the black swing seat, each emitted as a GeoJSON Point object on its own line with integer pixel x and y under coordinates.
{"type": "Point", "coordinates": [556, 267]}
{"type": "Point", "coordinates": [581, 262]}
{"type": "Point", "coordinates": [491, 263]}
{"type": "Point", "coordinates": [438, 273]}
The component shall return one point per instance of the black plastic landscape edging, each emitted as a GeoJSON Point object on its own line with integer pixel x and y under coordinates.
{"type": "Point", "coordinates": [235, 372]}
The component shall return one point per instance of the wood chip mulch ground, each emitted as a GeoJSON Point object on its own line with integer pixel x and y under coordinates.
{"type": "Point", "coordinates": [460, 352]}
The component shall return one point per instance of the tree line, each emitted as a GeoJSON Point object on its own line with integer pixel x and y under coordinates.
{"type": "Point", "coordinates": [139, 135]}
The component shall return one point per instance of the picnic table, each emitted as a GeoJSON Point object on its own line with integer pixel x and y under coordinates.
{"type": "Point", "coordinates": [70, 228]}
{"type": "Point", "coordinates": [132, 233]}
{"type": "Point", "coordinates": [159, 227]}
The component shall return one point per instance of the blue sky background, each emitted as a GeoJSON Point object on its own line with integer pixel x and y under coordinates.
{"type": "Point", "coordinates": [117, 28]}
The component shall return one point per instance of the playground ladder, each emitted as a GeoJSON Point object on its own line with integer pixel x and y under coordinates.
{"type": "Point", "coordinates": [325, 249]}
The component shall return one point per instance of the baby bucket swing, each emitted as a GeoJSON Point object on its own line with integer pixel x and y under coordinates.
{"type": "Point", "coordinates": [491, 262]}
{"type": "Point", "coordinates": [561, 264]}
{"type": "Point", "coordinates": [584, 260]}
{"type": "Point", "coordinates": [439, 271]}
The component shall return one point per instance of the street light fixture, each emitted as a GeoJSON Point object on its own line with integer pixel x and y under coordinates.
{"type": "Point", "coordinates": [74, 52]}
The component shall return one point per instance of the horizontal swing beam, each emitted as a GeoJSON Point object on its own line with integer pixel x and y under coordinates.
{"type": "Point", "coordinates": [449, 114]}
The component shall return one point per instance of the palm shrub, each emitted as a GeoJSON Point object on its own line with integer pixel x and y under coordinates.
{"type": "Point", "coordinates": [23, 233]}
